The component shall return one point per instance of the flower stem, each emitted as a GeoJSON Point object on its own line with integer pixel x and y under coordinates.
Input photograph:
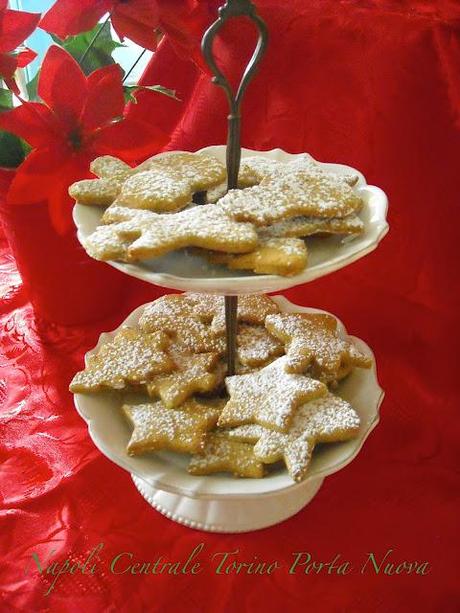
{"type": "Point", "coordinates": [133, 66]}
{"type": "Point", "coordinates": [93, 40]}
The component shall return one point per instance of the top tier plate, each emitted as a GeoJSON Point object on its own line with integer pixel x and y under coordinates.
{"type": "Point", "coordinates": [185, 270]}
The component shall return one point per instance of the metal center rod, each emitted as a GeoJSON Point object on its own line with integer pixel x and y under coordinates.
{"type": "Point", "coordinates": [231, 323]}
{"type": "Point", "coordinates": [231, 9]}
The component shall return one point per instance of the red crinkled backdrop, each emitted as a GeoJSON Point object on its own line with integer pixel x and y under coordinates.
{"type": "Point", "coordinates": [372, 84]}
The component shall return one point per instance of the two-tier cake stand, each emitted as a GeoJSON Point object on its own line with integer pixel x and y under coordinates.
{"type": "Point", "coordinates": [221, 503]}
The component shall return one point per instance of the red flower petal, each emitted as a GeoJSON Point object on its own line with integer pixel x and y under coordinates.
{"type": "Point", "coordinates": [63, 86]}
{"type": "Point", "coordinates": [33, 122]}
{"type": "Point", "coordinates": [15, 27]}
{"type": "Point", "coordinates": [105, 97]}
{"type": "Point", "coordinates": [70, 17]}
{"type": "Point", "coordinates": [25, 56]}
{"type": "Point", "coordinates": [137, 20]}
{"type": "Point", "coordinates": [130, 139]}
{"type": "Point", "coordinates": [8, 64]}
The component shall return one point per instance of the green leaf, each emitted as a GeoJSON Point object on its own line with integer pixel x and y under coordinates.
{"type": "Point", "coordinates": [32, 87]}
{"type": "Point", "coordinates": [131, 90]}
{"type": "Point", "coordinates": [12, 151]}
{"type": "Point", "coordinates": [6, 99]}
{"type": "Point", "coordinates": [101, 50]}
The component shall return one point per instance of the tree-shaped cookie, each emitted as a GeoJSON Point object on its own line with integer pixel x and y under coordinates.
{"type": "Point", "coordinates": [314, 346]}
{"type": "Point", "coordinates": [325, 420]}
{"type": "Point", "coordinates": [131, 357]}
{"type": "Point", "coordinates": [268, 397]}
{"type": "Point", "coordinates": [134, 234]}
{"type": "Point", "coordinates": [182, 430]}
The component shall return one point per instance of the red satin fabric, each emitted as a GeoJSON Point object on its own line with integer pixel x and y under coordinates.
{"type": "Point", "coordinates": [372, 84]}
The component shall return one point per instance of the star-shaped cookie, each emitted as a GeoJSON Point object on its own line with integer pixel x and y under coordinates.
{"type": "Point", "coordinates": [325, 420]}
{"type": "Point", "coordinates": [268, 397]}
{"type": "Point", "coordinates": [314, 346]}
{"type": "Point", "coordinates": [131, 357]}
{"type": "Point", "coordinates": [223, 455]}
{"type": "Point", "coordinates": [193, 375]}
{"type": "Point", "coordinates": [135, 234]}
{"type": "Point", "coordinates": [182, 430]}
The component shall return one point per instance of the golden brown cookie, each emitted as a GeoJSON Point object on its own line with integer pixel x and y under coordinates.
{"type": "Point", "coordinates": [193, 375]}
{"type": "Point", "coordinates": [256, 346]}
{"type": "Point", "coordinates": [159, 189]}
{"type": "Point", "coordinates": [272, 256]}
{"type": "Point", "coordinates": [223, 455]}
{"type": "Point", "coordinates": [131, 357]}
{"type": "Point", "coordinates": [255, 169]}
{"type": "Point", "coordinates": [295, 195]}
{"type": "Point", "coordinates": [109, 167]}
{"type": "Point", "coordinates": [268, 397]}
{"type": "Point", "coordinates": [252, 308]}
{"type": "Point", "coordinates": [182, 430]}
{"type": "Point", "coordinates": [134, 234]}
{"type": "Point", "coordinates": [313, 344]}
{"type": "Point", "coordinates": [325, 420]}
{"type": "Point", "coordinates": [202, 171]}
{"type": "Point", "coordinates": [163, 183]}
{"type": "Point", "coordinates": [308, 226]}
{"type": "Point", "coordinates": [187, 325]}
{"type": "Point", "coordinates": [112, 172]}
{"type": "Point", "coordinates": [95, 192]}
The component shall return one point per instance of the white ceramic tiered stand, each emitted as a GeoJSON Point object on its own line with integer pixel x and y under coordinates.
{"type": "Point", "coordinates": [221, 503]}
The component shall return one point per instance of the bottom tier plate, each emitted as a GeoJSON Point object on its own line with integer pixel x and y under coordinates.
{"type": "Point", "coordinates": [230, 516]}
{"type": "Point", "coordinates": [219, 502]}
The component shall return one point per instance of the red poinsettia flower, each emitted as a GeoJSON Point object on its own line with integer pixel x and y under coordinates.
{"type": "Point", "coordinates": [135, 19]}
{"type": "Point", "coordinates": [184, 21]}
{"type": "Point", "coordinates": [80, 118]}
{"type": "Point", "coordinates": [15, 27]}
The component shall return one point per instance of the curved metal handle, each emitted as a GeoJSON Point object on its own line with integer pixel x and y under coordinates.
{"type": "Point", "coordinates": [234, 8]}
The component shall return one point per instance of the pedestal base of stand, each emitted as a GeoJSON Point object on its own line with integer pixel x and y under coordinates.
{"type": "Point", "coordinates": [243, 514]}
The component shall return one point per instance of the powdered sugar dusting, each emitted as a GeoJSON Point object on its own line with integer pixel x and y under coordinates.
{"type": "Point", "coordinates": [268, 396]}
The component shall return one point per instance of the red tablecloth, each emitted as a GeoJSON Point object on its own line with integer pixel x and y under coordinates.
{"type": "Point", "coordinates": [373, 84]}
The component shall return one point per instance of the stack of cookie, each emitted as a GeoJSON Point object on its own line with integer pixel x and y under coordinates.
{"type": "Point", "coordinates": [276, 409]}
{"type": "Point", "coordinates": [260, 227]}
